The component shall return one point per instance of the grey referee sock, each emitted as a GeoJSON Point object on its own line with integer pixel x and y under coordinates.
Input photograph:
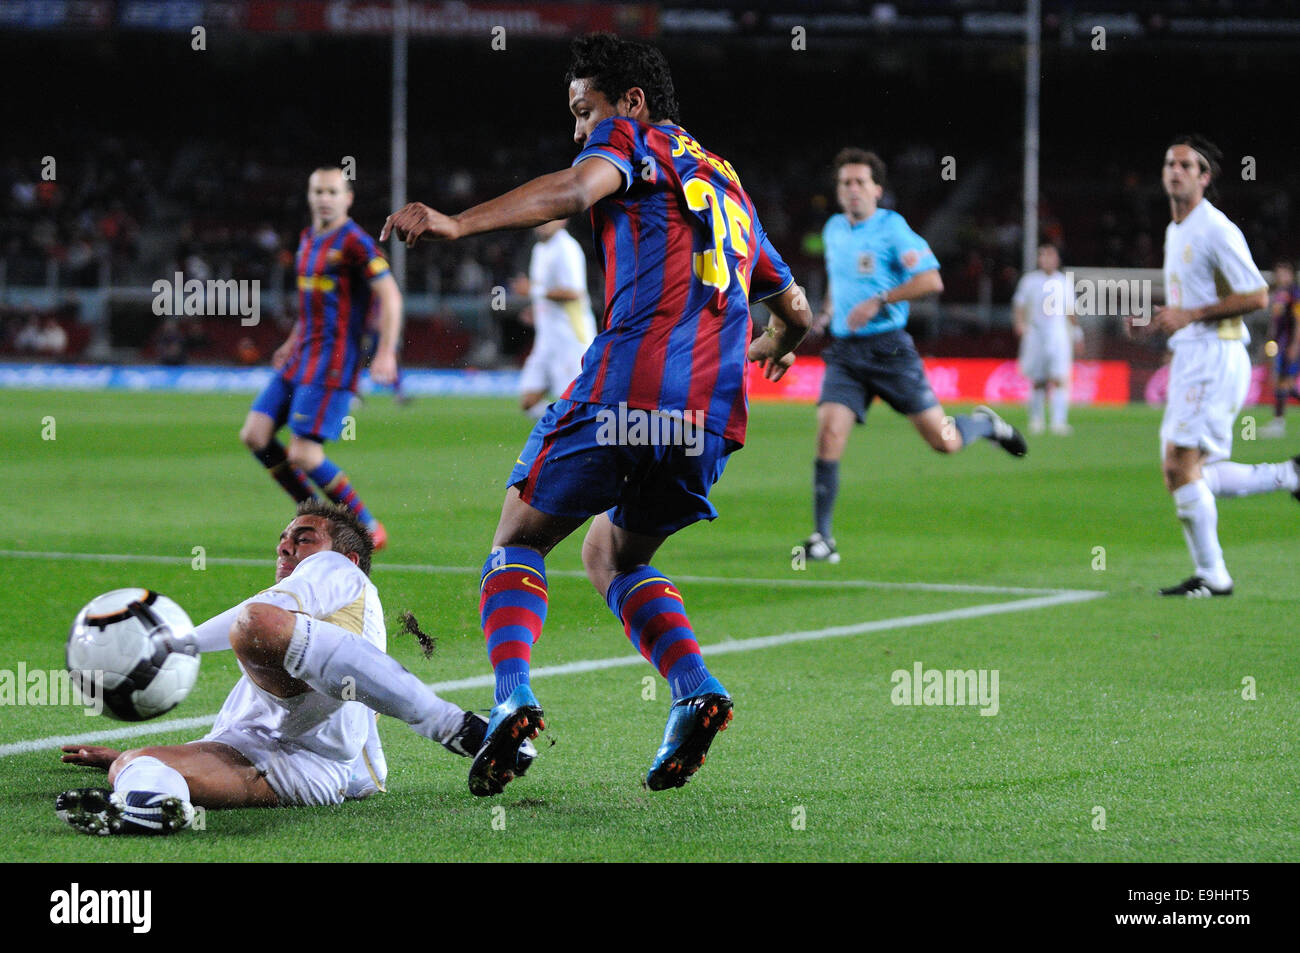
{"type": "Point", "coordinates": [826, 486]}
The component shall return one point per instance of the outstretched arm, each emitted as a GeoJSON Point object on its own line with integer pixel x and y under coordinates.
{"type": "Point", "coordinates": [214, 635]}
{"type": "Point", "coordinates": [89, 756]}
{"type": "Point", "coordinates": [544, 199]}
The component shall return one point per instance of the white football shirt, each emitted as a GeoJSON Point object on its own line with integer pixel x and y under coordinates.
{"type": "Point", "coordinates": [1206, 259]}
{"type": "Point", "coordinates": [1047, 299]}
{"type": "Point", "coordinates": [557, 263]}
{"type": "Point", "coordinates": [325, 586]}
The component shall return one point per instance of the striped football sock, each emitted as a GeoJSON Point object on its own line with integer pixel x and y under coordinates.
{"type": "Point", "coordinates": [654, 618]}
{"type": "Point", "coordinates": [273, 457]}
{"type": "Point", "coordinates": [512, 608]}
{"type": "Point", "coordinates": [334, 484]}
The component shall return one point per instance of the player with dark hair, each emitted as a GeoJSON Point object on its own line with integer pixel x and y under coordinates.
{"type": "Point", "coordinates": [875, 265]}
{"type": "Point", "coordinates": [339, 268]}
{"type": "Point", "coordinates": [684, 254]}
{"type": "Point", "coordinates": [1210, 283]}
{"type": "Point", "coordinates": [1283, 345]}
{"type": "Point", "coordinates": [299, 727]}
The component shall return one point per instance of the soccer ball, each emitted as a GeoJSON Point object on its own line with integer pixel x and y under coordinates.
{"type": "Point", "coordinates": [137, 648]}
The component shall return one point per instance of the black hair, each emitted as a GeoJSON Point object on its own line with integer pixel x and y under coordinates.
{"type": "Point", "coordinates": [853, 156]}
{"type": "Point", "coordinates": [615, 65]}
{"type": "Point", "coordinates": [1211, 159]}
{"type": "Point", "coordinates": [347, 533]}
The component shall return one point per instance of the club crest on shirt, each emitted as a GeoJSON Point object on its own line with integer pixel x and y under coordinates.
{"type": "Point", "coordinates": [866, 263]}
{"type": "Point", "coordinates": [333, 256]}
{"type": "Point", "coordinates": [1187, 254]}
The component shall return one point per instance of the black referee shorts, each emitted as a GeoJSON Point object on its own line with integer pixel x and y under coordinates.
{"type": "Point", "coordinates": [876, 365]}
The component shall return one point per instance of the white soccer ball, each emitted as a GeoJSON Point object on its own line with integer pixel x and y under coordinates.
{"type": "Point", "coordinates": [136, 648]}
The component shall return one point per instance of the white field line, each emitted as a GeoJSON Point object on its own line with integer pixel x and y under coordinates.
{"type": "Point", "coordinates": [1059, 597]}
{"type": "Point", "coordinates": [429, 568]}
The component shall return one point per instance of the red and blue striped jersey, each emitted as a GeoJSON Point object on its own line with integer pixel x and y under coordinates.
{"type": "Point", "coordinates": [684, 254]}
{"type": "Point", "coordinates": [335, 269]}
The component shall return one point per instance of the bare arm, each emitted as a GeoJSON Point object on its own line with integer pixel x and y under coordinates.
{"type": "Point", "coordinates": [544, 199]}
{"type": "Point", "coordinates": [1232, 306]}
{"type": "Point", "coordinates": [383, 366]}
{"type": "Point", "coordinates": [791, 319]}
{"type": "Point", "coordinates": [1018, 318]}
{"type": "Point", "coordinates": [284, 350]}
{"type": "Point", "coordinates": [918, 286]}
{"type": "Point", "coordinates": [89, 756]}
{"type": "Point", "coordinates": [823, 319]}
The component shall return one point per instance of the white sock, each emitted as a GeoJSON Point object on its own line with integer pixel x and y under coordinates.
{"type": "Point", "coordinates": [150, 774]}
{"type": "Point", "coordinates": [1239, 479]}
{"type": "Point", "coordinates": [1036, 399]}
{"type": "Point", "coordinates": [345, 666]}
{"type": "Point", "coordinates": [1060, 405]}
{"type": "Point", "coordinates": [1200, 518]}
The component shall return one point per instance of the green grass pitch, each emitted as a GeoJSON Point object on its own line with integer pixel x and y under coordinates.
{"type": "Point", "coordinates": [1123, 704]}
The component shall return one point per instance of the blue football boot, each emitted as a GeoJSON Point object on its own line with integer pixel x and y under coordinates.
{"type": "Point", "coordinates": [692, 723]}
{"type": "Point", "coordinates": [511, 725]}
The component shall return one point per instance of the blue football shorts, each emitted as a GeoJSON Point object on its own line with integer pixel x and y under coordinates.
{"type": "Point", "coordinates": [313, 411]}
{"type": "Point", "coordinates": [652, 474]}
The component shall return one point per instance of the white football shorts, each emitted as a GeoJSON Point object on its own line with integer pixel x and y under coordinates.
{"type": "Point", "coordinates": [1208, 381]}
{"type": "Point", "coordinates": [551, 366]}
{"type": "Point", "coordinates": [1042, 360]}
{"type": "Point", "coordinates": [303, 778]}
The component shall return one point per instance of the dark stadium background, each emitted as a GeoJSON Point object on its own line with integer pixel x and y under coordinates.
{"type": "Point", "coordinates": [167, 155]}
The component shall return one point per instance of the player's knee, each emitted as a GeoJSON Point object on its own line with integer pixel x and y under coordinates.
{"type": "Point", "coordinates": [1176, 474]}
{"type": "Point", "coordinates": [596, 561]}
{"type": "Point", "coordinates": [304, 454]}
{"type": "Point", "coordinates": [831, 441]}
{"type": "Point", "coordinates": [257, 635]}
{"type": "Point", "coordinates": [253, 436]}
{"type": "Point", "coordinates": [125, 758]}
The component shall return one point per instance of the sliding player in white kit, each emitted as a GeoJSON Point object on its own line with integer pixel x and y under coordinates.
{"type": "Point", "coordinates": [1043, 312]}
{"type": "Point", "coordinates": [299, 726]}
{"type": "Point", "coordinates": [562, 318]}
{"type": "Point", "coordinates": [1210, 283]}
